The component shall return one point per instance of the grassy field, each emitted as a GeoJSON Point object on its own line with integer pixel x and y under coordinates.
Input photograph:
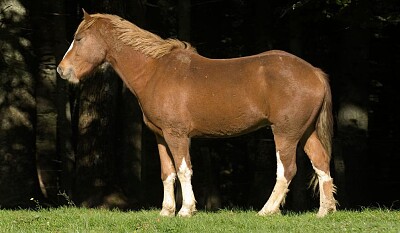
{"type": "Point", "coordinates": [72, 219]}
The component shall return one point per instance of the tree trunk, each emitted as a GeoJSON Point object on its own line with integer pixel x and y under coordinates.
{"type": "Point", "coordinates": [95, 158]}
{"type": "Point", "coordinates": [96, 174]}
{"type": "Point", "coordinates": [352, 119]}
{"type": "Point", "coordinates": [129, 147]}
{"type": "Point", "coordinates": [18, 178]}
{"type": "Point", "coordinates": [54, 155]}
{"type": "Point", "coordinates": [65, 151]}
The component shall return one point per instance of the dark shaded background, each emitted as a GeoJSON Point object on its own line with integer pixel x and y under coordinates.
{"type": "Point", "coordinates": [87, 145]}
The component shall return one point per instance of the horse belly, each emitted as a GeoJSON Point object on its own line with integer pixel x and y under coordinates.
{"type": "Point", "coordinates": [227, 123]}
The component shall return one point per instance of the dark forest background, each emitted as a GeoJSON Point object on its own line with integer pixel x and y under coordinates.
{"type": "Point", "coordinates": [87, 144]}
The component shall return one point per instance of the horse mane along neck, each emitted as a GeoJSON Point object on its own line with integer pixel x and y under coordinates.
{"type": "Point", "coordinates": [140, 39]}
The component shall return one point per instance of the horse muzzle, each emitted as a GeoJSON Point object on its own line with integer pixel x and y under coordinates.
{"type": "Point", "coordinates": [67, 74]}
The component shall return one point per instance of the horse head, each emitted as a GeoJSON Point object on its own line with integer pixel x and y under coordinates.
{"type": "Point", "coordinates": [86, 52]}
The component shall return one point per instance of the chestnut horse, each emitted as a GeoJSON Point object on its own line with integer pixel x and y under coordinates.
{"type": "Point", "coordinates": [183, 95]}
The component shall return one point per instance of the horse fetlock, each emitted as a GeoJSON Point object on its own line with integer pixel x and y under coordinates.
{"type": "Point", "coordinates": [187, 211]}
{"type": "Point", "coordinates": [323, 211]}
{"type": "Point", "coordinates": [327, 200]}
{"type": "Point", "coordinates": [168, 212]}
{"type": "Point", "coordinates": [168, 208]}
{"type": "Point", "coordinates": [326, 207]}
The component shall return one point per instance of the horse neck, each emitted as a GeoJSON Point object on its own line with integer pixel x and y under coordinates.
{"type": "Point", "coordinates": [131, 66]}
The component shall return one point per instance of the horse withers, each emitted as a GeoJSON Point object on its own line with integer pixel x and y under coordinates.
{"type": "Point", "coordinates": [184, 95]}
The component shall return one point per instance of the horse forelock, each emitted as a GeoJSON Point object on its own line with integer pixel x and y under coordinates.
{"type": "Point", "coordinates": [140, 39]}
{"type": "Point", "coordinates": [84, 25]}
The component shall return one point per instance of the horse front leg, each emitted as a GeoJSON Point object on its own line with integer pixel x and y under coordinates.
{"type": "Point", "coordinates": [286, 169]}
{"type": "Point", "coordinates": [168, 176]}
{"type": "Point", "coordinates": [179, 147]}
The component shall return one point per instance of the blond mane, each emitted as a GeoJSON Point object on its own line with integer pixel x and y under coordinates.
{"type": "Point", "coordinates": [140, 39]}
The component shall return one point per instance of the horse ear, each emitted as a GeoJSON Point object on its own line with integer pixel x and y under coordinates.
{"type": "Point", "coordinates": [86, 16]}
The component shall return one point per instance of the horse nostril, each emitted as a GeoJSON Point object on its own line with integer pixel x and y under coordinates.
{"type": "Point", "coordinates": [59, 70]}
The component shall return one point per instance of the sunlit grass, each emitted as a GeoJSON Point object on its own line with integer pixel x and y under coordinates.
{"type": "Point", "coordinates": [72, 219]}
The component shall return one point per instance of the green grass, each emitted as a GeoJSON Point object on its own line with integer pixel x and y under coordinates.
{"type": "Point", "coordinates": [72, 219]}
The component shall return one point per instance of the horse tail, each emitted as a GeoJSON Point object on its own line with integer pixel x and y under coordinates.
{"type": "Point", "coordinates": [324, 123]}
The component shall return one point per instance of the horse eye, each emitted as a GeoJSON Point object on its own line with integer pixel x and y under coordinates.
{"type": "Point", "coordinates": [78, 39]}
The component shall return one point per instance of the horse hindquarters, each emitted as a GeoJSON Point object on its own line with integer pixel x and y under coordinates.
{"type": "Point", "coordinates": [317, 146]}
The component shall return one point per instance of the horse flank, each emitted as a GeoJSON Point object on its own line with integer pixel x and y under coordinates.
{"type": "Point", "coordinates": [141, 40]}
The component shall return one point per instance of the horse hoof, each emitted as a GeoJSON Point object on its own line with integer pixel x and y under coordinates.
{"type": "Point", "coordinates": [322, 212]}
{"type": "Point", "coordinates": [167, 213]}
{"type": "Point", "coordinates": [269, 212]}
{"type": "Point", "coordinates": [184, 212]}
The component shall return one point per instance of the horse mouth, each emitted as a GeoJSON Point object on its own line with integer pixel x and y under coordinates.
{"type": "Point", "coordinates": [68, 75]}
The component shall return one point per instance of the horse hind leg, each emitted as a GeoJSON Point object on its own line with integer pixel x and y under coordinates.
{"type": "Point", "coordinates": [286, 169]}
{"type": "Point", "coordinates": [320, 161]}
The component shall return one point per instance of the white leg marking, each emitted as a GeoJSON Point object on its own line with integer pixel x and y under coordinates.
{"type": "Point", "coordinates": [280, 170]}
{"type": "Point", "coordinates": [280, 189]}
{"type": "Point", "coordinates": [69, 49]}
{"type": "Point", "coordinates": [327, 201]}
{"type": "Point", "coordinates": [323, 177]}
{"type": "Point", "coordinates": [189, 202]}
{"type": "Point", "coordinates": [168, 205]}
